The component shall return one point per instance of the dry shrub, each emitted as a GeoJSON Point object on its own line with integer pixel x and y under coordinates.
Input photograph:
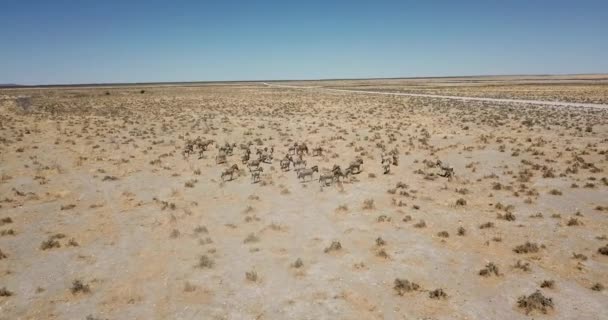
{"type": "Point", "coordinates": [201, 229]}
{"type": "Point", "coordinates": [462, 231]}
{"type": "Point", "coordinates": [5, 292]}
{"type": "Point", "coordinates": [579, 256]}
{"type": "Point", "coordinates": [527, 247]}
{"type": "Point", "coordinates": [535, 302]}
{"type": "Point", "coordinates": [205, 262]}
{"type": "Point", "coordinates": [573, 222]}
{"type": "Point", "coordinates": [507, 216]}
{"type": "Point", "coordinates": [382, 254]}
{"type": "Point", "coordinates": [334, 246]}
{"type": "Point", "coordinates": [5, 220]}
{"type": "Point", "coordinates": [487, 225]}
{"type": "Point", "coordinates": [68, 207]}
{"type": "Point", "coordinates": [50, 244]}
{"type": "Point", "coordinates": [251, 276]}
{"type": "Point", "coordinates": [438, 294]}
{"type": "Point", "coordinates": [79, 287]}
{"type": "Point", "coordinates": [420, 224]}
{"type": "Point", "coordinates": [251, 238]}
{"type": "Point", "coordinates": [298, 263]}
{"type": "Point", "coordinates": [403, 286]}
{"type": "Point", "coordinates": [490, 269]}
{"type": "Point", "coordinates": [548, 284]}
{"type": "Point", "coordinates": [443, 234]}
{"type": "Point", "coordinates": [555, 192]}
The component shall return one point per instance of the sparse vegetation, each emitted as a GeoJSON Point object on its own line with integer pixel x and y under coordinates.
{"type": "Point", "coordinates": [334, 246]}
{"type": "Point", "coordinates": [535, 302]}
{"type": "Point", "coordinates": [438, 294]}
{"type": "Point", "coordinates": [462, 231]}
{"type": "Point", "coordinates": [549, 284]}
{"type": "Point", "coordinates": [251, 276]}
{"type": "Point", "coordinates": [489, 270]}
{"type": "Point", "coordinates": [298, 263]}
{"type": "Point", "coordinates": [205, 262]}
{"type": "Point", "coordinates": [403, 286]}
{"type": "Point", "coordinates": [5, 292]}
{"type": "Point", "coordinates": [79, 287]}
{"type": "Point", "coordinates": [368, 204]}
{"type": "Point", "coordinates": [527, 247]}
{"type": "Point", "coordinates": [211, 174]}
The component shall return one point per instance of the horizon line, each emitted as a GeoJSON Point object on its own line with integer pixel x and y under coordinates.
{"type": "Point", "coordinates": [156, 83]}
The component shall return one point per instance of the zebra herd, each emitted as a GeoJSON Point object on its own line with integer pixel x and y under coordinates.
{"type": "Point", "coordinates": [294, 158]}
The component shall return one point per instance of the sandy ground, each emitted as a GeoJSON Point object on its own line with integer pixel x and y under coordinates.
{"type": "Point", "coordinates": [507, 100]}
{"type": "Point", "coordinates": [103, 217]}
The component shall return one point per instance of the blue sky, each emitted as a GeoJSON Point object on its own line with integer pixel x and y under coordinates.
{"type": "Point", "coordinates": [51, 42]}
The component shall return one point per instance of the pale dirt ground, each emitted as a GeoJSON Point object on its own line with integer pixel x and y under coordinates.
{"type": "Point", "coordinates": [567, 88]}
{"type": "Point", "coordinates": [139, 256]}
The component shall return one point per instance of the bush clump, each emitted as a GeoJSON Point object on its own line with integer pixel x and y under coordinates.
{"type": "Point", "coordinates": [535, 302]}
{"type": "Point", "coordinates": [402, 286]}
{"type": "Point", "coordinates": [527, 247]}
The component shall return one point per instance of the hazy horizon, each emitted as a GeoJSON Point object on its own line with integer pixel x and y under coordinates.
{"type": "Point", "coordinates": [152, 41]}
{"type": "Point", "coordinates": [319, 79]}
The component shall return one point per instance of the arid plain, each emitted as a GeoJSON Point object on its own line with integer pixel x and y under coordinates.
{"type": "Point", "coordinates": [125, 202]}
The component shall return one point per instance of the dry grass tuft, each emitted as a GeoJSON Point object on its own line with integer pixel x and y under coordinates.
{"type": "Point", "coordinates": [79, 287]}
{"type": "Point", "coordinates": [334, 246]}
{"type": "Point", "coordinates": [205, 262]}
{"type": "Point", "coordinates": [489, 270]}
{"type": "Point", "coordinates": [535, 302]}
{"type": "Point", "coordinates": [438, 294]}
{"type": "Point", "coordinates": [403, 286]}
{"type": "Point", "coordinates": [527, 247]}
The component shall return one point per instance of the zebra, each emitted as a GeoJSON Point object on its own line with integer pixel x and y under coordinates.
{"type": "Point", "coordinates": [299, 162]}
{"type": "Point", "coordinates": [302, 148]}
{"type": "Point", "coordinates": [245, 146]}
{"type": "Point", "coordinates": [448, 171]}
{"type": "Point", "coordinates": [255, 174]}
{"type": "Point", "coordinates": [355, 164]}
{"type": "Point", "coordinates": [228, 148]}
{"type": "Point", "coordinates": [253, 163]}
{"type": "Point", "coordinates": [202, 146]}
{"type": "Point", "coordinates": [266, 158]}
{"type": "Point", "coordinates": [387, 167]}
{"type": "Point", "coordinates": [317, 152]}
{"type": "Point", "coordinates": [245, 157]}
{"type": "Point", "coordinates": [325, 177]}
{"type": "Point", "coordinates": [385, 159]}
{"type": "Point", "coordinates": [230, 172]}
{"type": "Point", "coordinates": [220, 158]}
{"type": "Point", "coordinates": [302, 174]}
{"type": "Point", "coordinates": [339, 173]}
{"type": "Point", "coordinates": [292, 149]}
{"type": "Point", "coordinates": [188, 149]}
{"type": "Point", "coordinates": [285, 162]}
